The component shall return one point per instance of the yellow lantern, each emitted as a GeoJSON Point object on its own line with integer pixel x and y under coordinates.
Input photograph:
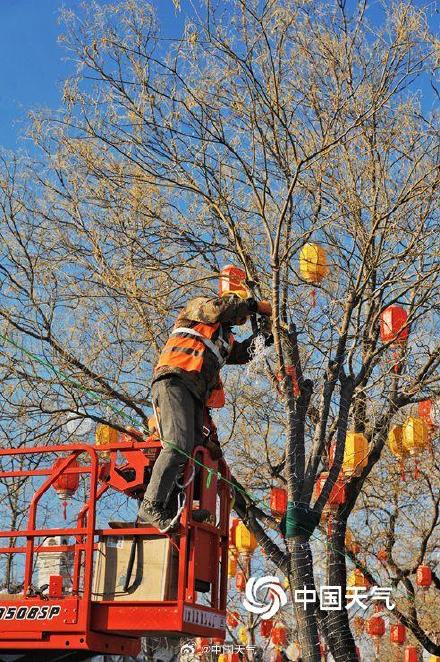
{"type": "Point", "coordinates": [355, 453]}
{"type": "Point", "coordinates": [313, 263]}
{"type": "Point", "coordinates": [243, 635]}
{"type": "Point", "coordinates": [415, 435]}
{"type": "Point", "coordinates": [286, 583]}
{"type": "Point", "coordinates": [232, 565]}
{"type": "Point", "coordinates": [434, 658]}
{"type": "Point", "coordinates": [222, 657]}
{"type": "Point", "coordinates": [245, 540]}
{"type": "Point", "coordinates": [356, 578]}
{"type": "Point", "coordinates": [105, 435]}
{"type": "Point", "coordinates": [395, 442]}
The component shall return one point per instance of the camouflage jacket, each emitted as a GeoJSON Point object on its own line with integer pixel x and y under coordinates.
{"type": "Point", "coordinates": [229, 312]}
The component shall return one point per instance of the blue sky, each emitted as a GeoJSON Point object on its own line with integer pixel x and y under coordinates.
{"type": "Point", "coordinates": [33, 65]}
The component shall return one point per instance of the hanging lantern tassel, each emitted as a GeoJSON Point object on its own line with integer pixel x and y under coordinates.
{"type": "Point", "coordinates": [402, 470]}
{"type": "Point", "coordinates": [313, 297]}
{"type": "Point", "coordinates": [416, 469]}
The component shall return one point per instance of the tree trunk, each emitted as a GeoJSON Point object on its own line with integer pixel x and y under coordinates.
{"type": "Point", "coordinates": [340, 638]}
{"type": "Point", "coordinates": [301, 569]}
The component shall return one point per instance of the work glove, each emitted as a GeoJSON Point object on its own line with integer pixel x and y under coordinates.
{"type": "Point", "coordinates": [262, 307]}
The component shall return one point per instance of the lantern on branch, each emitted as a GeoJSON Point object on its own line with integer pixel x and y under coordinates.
{"type": "Point", "coordinates": [415, 437]}
{"type": "Point", "coordinates": [356, 578]}
{"type": "Point", "coordinates": [350, 543]}
{"type": "Point", "coordinates": [245, 540]}
{"type": "Point", "coordinates": [337, 494]}
{"type": "Point", "coordinates": [66, 484]}
{"type": "Point", "coordinates": [358, 625]}
{"type": "Point", "coordinates": [240, 581]}
{"type": "Point", "coordinates": [429, 411]}
{"type": "Point", "coordinates": [424, 577]}
{"type": "Point", "coordinates": [233, 657]}
{"type": "Point", "coordinates": [395, 442]}
{"type": "Point", "coordinates": [375, 627]}
{"type": "Point", "coordinates": [106, 435]}
{"type": "Point", "coordinates": [232, 619]}
{"type": "Point", "coordinates": [411, 654]}
{"type": "Point", "coordinates": [232, 528]}
{"type": "Point", "coordinates": [394, 330]}
{"type": "Point", "coordinates": [355, 454]}
{"type": "Point", "coordinates": [232, 564]}
{"type": "Point", "coordinates": [266, 628]}
{"type": "Point", "coordinates": [278, 501]}
{"type": "Point", "coordinates": [382, 555]}
{"type": "Point", "coordinates": [313, 265]}
{"type": "Point", "coordinates": [243, 636]}
{"type": "Point", "coordinates": [278, 635]}
{"type": "Point", "coordinates": [232, 281]}
{"type": "Point", "coordinates": [397, 634]}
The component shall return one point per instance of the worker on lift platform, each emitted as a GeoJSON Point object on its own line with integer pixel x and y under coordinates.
{"type": "Point", "coordinates": [187, 381]}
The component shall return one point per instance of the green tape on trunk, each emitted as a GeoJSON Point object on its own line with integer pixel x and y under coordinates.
{"type": "Point", "coordinates": [299, 520]}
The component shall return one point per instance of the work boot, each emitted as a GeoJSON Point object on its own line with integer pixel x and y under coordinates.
{"type": "Point", "coordinates": [154, 513]}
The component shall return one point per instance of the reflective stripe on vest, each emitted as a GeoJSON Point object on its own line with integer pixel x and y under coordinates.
{"type": "Point", "coordinates": [186, 347]}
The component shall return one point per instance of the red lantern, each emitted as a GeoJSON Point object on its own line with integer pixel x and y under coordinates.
{"type": "Point", "coordinates": [358, 654]}
{"type": "Point", "coordinates": [240, 581]}
{"type": "Point", "coordinates": [291, 371]}
{"type": "Point", "coordinates": [429, 412]}
{"type": "Point", "coordinates": [278, 635]}
{"type": "Point", "coordinates": [393, 327]}
{"type": "Point", "coordinates": [382, 555]}
{"type": "Point", "coordinates": [233, 657]}
{"type": "Point", "coordinates": [337, 494]}
{"type": "Point", "coordinates": [232, 528]}
{"type": "Point", "coordinates": [66, 484]}
{"type": "Point", "coordinates": [397, 634]}
{"type": "Point", "coordinates": [278, 501]}
{"type": "Point", "coordinates": [266, 628]}
{"type": "Point", "coordinates": [424, 576]}
{"type": "Point", "coordinates": [411, 654]}
{"type": "Point", "coordinates": [232, 619]}
{"type": "Point", "coordinates": [375, 626]}
{"type": "Point", "coordinates": [276, 656]}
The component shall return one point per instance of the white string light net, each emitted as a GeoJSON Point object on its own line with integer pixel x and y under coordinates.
{"type": "Point", "coordinates": [258, 352]}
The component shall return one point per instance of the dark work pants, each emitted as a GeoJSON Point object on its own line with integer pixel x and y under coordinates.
{"type": "Point", "coordinates": [181, 423]}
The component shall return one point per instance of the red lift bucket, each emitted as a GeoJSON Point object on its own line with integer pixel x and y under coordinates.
{"type": "Point", "coordinates": [80, 617]}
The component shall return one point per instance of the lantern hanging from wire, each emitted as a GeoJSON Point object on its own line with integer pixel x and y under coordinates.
{"type": "Point", "coordinates": [278, 501]}
{"type": "Point", "coordinates": [337, 495]}
{"type": "Point", "coordinates": [66, 484]}
{"type": "Point", "coordinates": [232, 281]}
{"type": "Point", "coordinates": [290, 370]}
